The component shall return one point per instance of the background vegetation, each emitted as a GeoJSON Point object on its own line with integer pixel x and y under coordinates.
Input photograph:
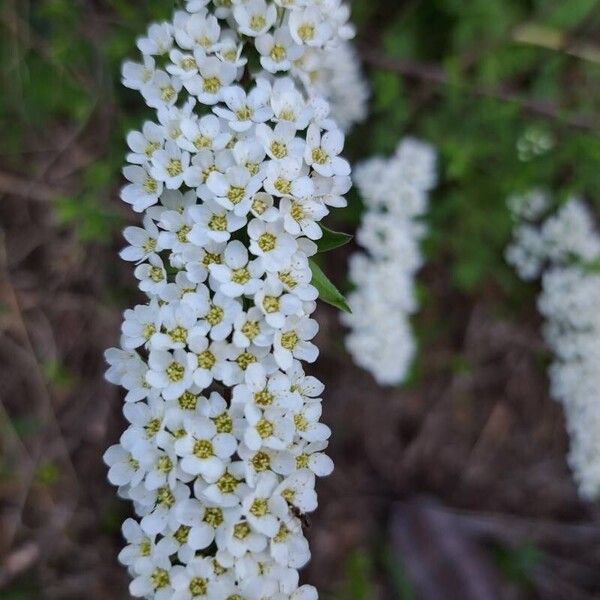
{"type": "Point", "coordinates": [455, 486]}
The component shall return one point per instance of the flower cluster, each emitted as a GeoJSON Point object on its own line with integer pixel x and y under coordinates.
{"type": "Point", "coordinates": [336, 75]}
{"type": "Point", "coordinates": [224, 441]}
{"type": "Point", "coordinates": [395, 192]}
{"type": "Point", "coordinates": [565, 251]}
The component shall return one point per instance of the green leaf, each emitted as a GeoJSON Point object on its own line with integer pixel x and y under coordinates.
{"type": "Point", "coordinates": [327, 291]}
{"type": "Point", "coordinates": [332, 239]}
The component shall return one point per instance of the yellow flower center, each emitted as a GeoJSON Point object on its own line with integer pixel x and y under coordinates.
{"type": "Point", "coordinates": [160, 579]}
{"type": "Point", "coordinates": [306, 32]}
{"type": "Point", "coordinates": [183, 233]}
{"type": "Point", "coordinates": [156, 274]}
{"type": "Point", "coordinates": [164, 464]}
{"type": "Point", "coordinates": [267, 242]}
{"type": "Point", "coordinates": [206, 360]}
{"type": "Point", "coordinates": [150, 186]}
{"type": "Point", "coordinates": [286, 278]}
{"type": "Point", "coordinates": [283, 186]}
{"type": "Point", "coordinates": [215, 315]}
{"type": "Point", "coordinates": [261, 462]}
{"type": "Point", "coordinates": [198, 586]}
{"type": "Point", "coordinates": [263, 398]}
{"type": "Point", "coordinates": [203, 449]}
{"type": "Point", "coordinates": [257, 22]}
{"type": "Point", "coordinates": [240, 276]}
{"type": "Point", "coordinates": [236, 194]}
{"type": "Point", "coordinates": [202, 142]}
{"type": "Point", "coordinates": [244, 113]}
{"type": "Point", "coordinates": [297, 211]}
{"type": "Point", "coordinates": [250, 329]}
{"type": "Point", "coordinates": [188, 63]}
{"type": "Point", "coordinates": [227, 484]}
{"type": "Point", "coordinates": [265, 429]}
{"type": "Point", "coordinates": [241, 530]}
{"type": "Point", "coordinates": [212, 85]}
{"type": "Point", "coordinates": [167, 93]}
{"type": "Point", "coordinates": [223, 423]}
{"type": "Point", "coordinates": [320, 156]}
{"type": "Point", "coordinates": [181, 535]}
{"type": "Point", "coordinates": [259, 508]}
{"type": "Point", "coordinates": [289, 340]}
{"type": "Point", "coordinates": [281, 534]}
{"type": "Point", "coordinates": [271, 304]}
{"type": "Point", "coordinates": [218, 223]}
{"type": "Point", "coordinates": [245, 359]}
{"type": "Point", "coordinates": [279, 150]}
{"type": "Point", "coordinates": [174, 168]}
{"type": "Point", "coordinates": [175, 372]}
{"type": "Point", "coordinates": [165, 497]}
{"type": "Point", "coordinates": [302, 461]}
{"type": "Point", "coordinates": [148, 331]}
{"type": "Point", "coordinates": [259, 206]}
{"type": "Point", "coordinates": [278, 53]}
{"type": "Point", "coordinates": [213, 516]}
{"type": "Point", "coordinates": [188, 401]}
{"type": "Point", "coordinates": [300, 422]}
{"type": "Point", "coordinates": [178, 335]}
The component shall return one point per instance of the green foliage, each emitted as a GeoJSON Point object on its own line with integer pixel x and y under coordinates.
{"type": "Point", "coordinates": [358, 581]}
{"type": "Point", "coordinates": [479, 80]}
{"type": "Point", "coordinates": [332, 239]}
{"type": "Point", "coordinates": [517, 564]}
{"type": "Point", "coordinates": [327, 291]}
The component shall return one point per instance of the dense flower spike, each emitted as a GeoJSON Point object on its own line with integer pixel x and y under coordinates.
{"type": "Point", "coordinates": [242, 162]}
{"type": "Point", "coordinates": [565, 251]}
{"type": "Point", "coordinates": [395, 192]}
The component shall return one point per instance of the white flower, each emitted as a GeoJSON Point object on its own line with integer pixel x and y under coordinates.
{"type": "Point", "coordinates": [159, 40]}
{"type": "Point", "coordinates": [269, 241]}
{"type": "Point", "coordinates": [243, 110]}
{"type": "Point", "coordinates": [278, 51]}
{"type": "Point", "coordinates": [213, 75]}
{"type": "Point", "coordinates": [203, 134]}
{"type": "Point", "coordinates": [287, 177]}
{"type": "Point", "coordinates": [237, 275]}
{"type": "Point", "coordinates": [302, 217]}
{"type": "Point", "coordinates": [288, 546]}
{"type": "Point", "coordinates": [292, 341]}
{"type": "Point", "coordinates": [152, 275]}
{"type": "Point", "coordinates": [135, 75]}
{"type": "Point", "coordinates": [211, 359]}
{"type": "Point", "coordinates": [140, 546]}
{"type": "Point", "coordinates": [263, 507]}
{"type": "Point", "coordinates": [234, 189]}
{"type": "Point", "coordinates": [169, 165]}
{"type": "Point", "coordinates": [144, 242]}
{"type": "Point", "coordinates": [276, 305]}
{"type": "Point", "coordinates": [143, 190]}
{"type": "Point", "coordinates": [251, 328]}
{"type": "Point", "coordinates": [269, 429]}
{"type": "Point", "coordinates": [281, 142]}
{"type": "Point", "coordinates": [154, 579]}
{"type": "Point", "coordinates": [381, 339]}
{"type": "Point", "coordinates": [170, 372]}
{"type": "Point", "coordinates": [322, 152]}
{"type": "Point", "coordinates": [213, 223]}
{"type": "Point", "coordinates": [309, 26]}
{"type": "Point", "coordinates": [204, 451]}
{"type": "Point", "coordinates": [195, 580]}
{"type": "Point", "coordinates": [144, 144]}
{"type": "Point", "coordinates": [200, 32]}
{"type": "Point", "coordinates": [255, 17]}
{"type": "Point", "coordinates": [162, 91]}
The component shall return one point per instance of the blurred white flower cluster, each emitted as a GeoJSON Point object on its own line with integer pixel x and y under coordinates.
{"type": "Point", "coordinates": [564, 250]}
{"type": "Point", "coordinates": [395, 192]}
{"type": "Point", "coordinates": [336, 75]}
{"type": "Point", "coordinates": [224, 441]}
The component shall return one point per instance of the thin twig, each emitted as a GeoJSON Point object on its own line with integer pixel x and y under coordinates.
{"type": "Point", "coordinates": [433, 73]}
